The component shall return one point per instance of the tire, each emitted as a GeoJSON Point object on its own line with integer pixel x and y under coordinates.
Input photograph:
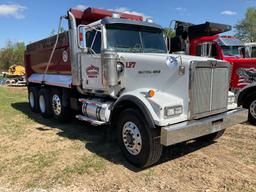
{"type": "Point", "coordinates": [33, 99]}
{"type": "Point", "coordinates": [211, 137]}
{"type": "Point", "coordinates": [44, 103]}
{"type": "Point", "coordinates": [251, 106]}
{"type": "Point", "coordinates": [145, 149]}
{"type": "Point", "coordinates": [59, 111]}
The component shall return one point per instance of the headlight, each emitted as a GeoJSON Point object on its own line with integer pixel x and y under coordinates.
{"type": "Point", "coordinates": [231, 99]}
{"type": "Point", "coordinates": [172, 111]}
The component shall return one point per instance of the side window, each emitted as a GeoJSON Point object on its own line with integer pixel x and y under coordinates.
{"type": "Point", "coordinates": [214, 51]}
{"type": "Point", "coordinates": [206, 50]}
{"type": "Point", "coordinates": [199, 50]}
{"type": "Point", "coordinates": [93, 40]}
{"type": "Point", "coordinates": [253, 52]}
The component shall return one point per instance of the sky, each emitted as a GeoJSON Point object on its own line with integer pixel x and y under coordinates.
{"type": "Point", "coordinates": [32, 20]}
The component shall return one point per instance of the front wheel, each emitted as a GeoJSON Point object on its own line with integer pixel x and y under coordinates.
{"type": "Point", "coordinates": [251, 105]}
{"type": "Point", "coordinates": [139, 144]}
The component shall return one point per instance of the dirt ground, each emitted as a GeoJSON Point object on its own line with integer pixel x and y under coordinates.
{"type": "Point", "coordinates": [39, 154]}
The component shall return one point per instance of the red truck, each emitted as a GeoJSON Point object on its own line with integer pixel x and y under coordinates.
{"type": "Point", "coordinates": [205, 40]}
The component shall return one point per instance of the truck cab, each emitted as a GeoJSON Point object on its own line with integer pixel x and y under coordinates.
{"type": "Point", "coordinates": [219, 47]}
{"type": "Point", "coordinates": [205, 40]}
{"type": "Point", "coordinates": [114, 69]}
{"type": "Point", "coordinates": [226, 48]}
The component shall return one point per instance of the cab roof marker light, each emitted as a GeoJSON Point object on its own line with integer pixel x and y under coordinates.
{"type": "Point", "coordinates": [116, 15]}
{"type": "Point", "coordinates": [149, 20]}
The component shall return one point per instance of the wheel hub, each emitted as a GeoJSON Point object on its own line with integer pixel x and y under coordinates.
{"type": "Point", "coordinates": [132, 138]}
{"type": "Point", "coordinates": [253, 109]}
{"type": "Point", "coordinates": [56, 104]}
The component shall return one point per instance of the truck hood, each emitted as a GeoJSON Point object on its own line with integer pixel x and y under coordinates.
{"type": "Point", "coordinates": [145, 71]}
{"type": "Point", "coordinates": [163, 56]}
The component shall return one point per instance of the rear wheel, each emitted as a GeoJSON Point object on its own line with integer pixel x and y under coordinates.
{"type": "Point", "coordinates": [212, 136]}
{"type": "Point", "coordinates": [60, 112]}
{"type": "Point", "coordinates": [139, 144]}
{"type": "Point", "coordinates": [44, 103]}
{"type": "Point", "coordinates": [33, 99]}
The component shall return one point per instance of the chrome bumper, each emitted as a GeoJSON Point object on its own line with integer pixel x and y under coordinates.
{"type": "Point", "coordinates": [196, 128]}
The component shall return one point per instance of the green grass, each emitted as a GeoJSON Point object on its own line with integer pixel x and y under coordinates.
{"type": "Point", "coordinates": [14, 124]}
{"type": "Point", "coordinates": [86, 164]}
{"type": "Point", "coordinates": [11, 119]}
{"type": "Point", "coordinates": [148, 175]}
{"type": "Point", "coordinates": [34, 168]}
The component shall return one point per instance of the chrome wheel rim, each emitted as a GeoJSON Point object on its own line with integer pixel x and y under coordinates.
{"type": "Point", "coordinates": [31, 99]}
{"type": "Point", "coordinates": [253, 109]}
{"type": "Point", "coordinates": [56, 105]}
{"type": "Point", "coordinates": [132, 138]}
{"type": "Point", "coordinates": [42, 104]}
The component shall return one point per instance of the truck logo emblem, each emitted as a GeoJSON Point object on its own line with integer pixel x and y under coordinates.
{"type": "Point", "coordinates": [92, 71]}
{"type": "Point", "coordinates": [214, 63]}
{"type": "Point", "coordinates": [65, 56]}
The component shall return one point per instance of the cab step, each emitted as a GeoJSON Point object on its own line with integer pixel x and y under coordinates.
{"type": "Point", "coordinates": [91, 121]}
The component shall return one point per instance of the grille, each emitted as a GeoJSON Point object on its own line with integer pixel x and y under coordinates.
{"type": "Point", "coordinates": [209, 88]}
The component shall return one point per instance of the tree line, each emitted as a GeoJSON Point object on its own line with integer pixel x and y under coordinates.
{"type": "Point", "coordinates": [13, 52]}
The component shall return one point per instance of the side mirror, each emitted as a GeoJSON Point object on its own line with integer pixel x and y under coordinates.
{"type": "Point", "coordinates": [242, 51]}
{"type": "Point", "coordinates": [82, 29]}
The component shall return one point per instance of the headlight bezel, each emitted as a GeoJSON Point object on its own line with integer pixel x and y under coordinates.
{"type": "Point", "coordinates": [172, 62]}
{"type": "Point", "coordinates": [172, 111]}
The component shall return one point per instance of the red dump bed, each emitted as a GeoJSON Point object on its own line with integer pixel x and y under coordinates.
{"type": "Point", "coordinates": [37, 56]}
{"type": "Point", "coordinates": [92, 14]}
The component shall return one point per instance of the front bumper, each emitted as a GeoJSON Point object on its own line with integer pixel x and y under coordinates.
{"type": "Point", "coordinates": [196, 128]}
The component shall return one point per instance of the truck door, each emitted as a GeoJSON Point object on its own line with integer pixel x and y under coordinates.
{"type": "Point", "coordinates": [90, 60]}
{"type": "Point", "coordinates": [207, 49]}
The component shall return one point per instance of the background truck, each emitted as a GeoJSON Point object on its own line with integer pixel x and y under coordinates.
{"type": "Point", "coordinates": [114, 68]}
{"type": "Point", "coordinates": [204, 40]}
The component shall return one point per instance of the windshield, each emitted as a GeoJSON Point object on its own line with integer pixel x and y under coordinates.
{"type": "Point", "coordinates": [231, 51]}
{"type": "Point", "coordinates": [136, 39]}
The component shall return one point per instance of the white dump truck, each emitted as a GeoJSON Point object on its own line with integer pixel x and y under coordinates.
{"type": "Point", "coordinates": [114, 68]}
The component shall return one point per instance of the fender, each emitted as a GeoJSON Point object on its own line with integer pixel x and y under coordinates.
{"type": "Point", "coordinates": [245, 93]}
{"type": "Point", "coordinates": [129, 101]}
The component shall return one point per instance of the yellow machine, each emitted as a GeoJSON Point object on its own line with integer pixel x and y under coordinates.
{"type": "Point", "coordinates": [16, 70]}
{"type": "Point", "coordinates": [14, 77]}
